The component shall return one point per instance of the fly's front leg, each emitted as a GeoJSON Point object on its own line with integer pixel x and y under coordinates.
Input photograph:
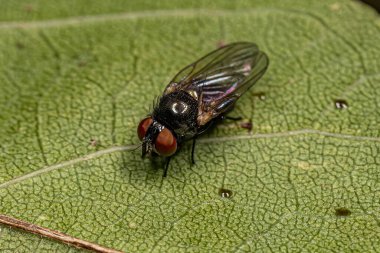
{"type": "Point", "coordinates": [166, 166]}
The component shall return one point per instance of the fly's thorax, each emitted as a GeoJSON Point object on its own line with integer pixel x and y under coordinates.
{"type": "Point", "coordinates": [178, 111]}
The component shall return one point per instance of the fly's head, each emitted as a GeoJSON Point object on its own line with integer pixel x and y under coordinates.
{"type": "Point", "coordinates": [156, 138]}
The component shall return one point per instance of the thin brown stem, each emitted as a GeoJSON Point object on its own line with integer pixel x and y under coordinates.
{"type": "Point", "coordinates": [53, 234]}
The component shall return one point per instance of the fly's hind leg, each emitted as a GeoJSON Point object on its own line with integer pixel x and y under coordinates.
{"type": "Point", "coordinates": [192, 150]}
{"type": "Point", "coordinates": [227, 106]}
{"type": "Point", "coordinates": [247, 124]}
{"type": "Point", "coordinates": [231, 118]}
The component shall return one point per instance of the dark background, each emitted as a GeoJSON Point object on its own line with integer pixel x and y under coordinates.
{"type": "Point", "coordinates": [374, 3]}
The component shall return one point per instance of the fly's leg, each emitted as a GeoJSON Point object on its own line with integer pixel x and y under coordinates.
{"type": "Point", "coordinates": [227, 106]}
{"type": "Point", "coordinates": [192, 151]}
{"type": "Point", "coordinates": [166, 166]}
{"type": "Point", "coordinates": [246, 125]}
{"type": "Point", "coordinates": [232, 118]}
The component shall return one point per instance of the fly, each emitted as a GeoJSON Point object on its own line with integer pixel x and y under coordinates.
{"type": "Point", "coordinates": [199, 95]}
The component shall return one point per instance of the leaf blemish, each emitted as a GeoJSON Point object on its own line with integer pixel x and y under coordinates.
{"type": "Point", "coordinates": [29, 8]}
{"type": "Point", "coordinates": [247, 125]}
{"type": "Point", "coordinates": [132, 225]}
{"type": "Point", "coordinates": [93, 142]}
{"type": "Point", "coordinates": [340, 104]}
{"type": "Point", "coordinates": [82, 63]}
{"type": "Point", "coordinates": [304, 165]}
{"type": "Point", "coordinates": [225, 193]}
{"type": "Point", "coordinates": [260, 95]}
{"type": "Point", "coordinates": [19, 45]}
{"type": "Point", "coordinates": [220, 44]}
{"type": "Point", "coordinates": [342, 212]}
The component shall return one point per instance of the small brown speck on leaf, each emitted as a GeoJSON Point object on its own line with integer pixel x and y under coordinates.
{"type": "Point", "coordinates": [247, 125]}
{"type": "Point", "coordinates": [225, 193]}
{"type": "Point", "coordinates": [93, 142]}
{"type": "Point", "coordinates": [340, 104]}
{"type": "Point", "coordinates": [260, 95]}
{"type": "Point", "coordinates": [342, 212]}
{"type": "Point", "coordinates": [19, 45]}
{"type": "Point", "coordinates": [220, 44]}
{"type": "Point", "coordinates": [29, 8]}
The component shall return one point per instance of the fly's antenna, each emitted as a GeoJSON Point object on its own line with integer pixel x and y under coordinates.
{"type": "Point", "coordinates": [137, 147]}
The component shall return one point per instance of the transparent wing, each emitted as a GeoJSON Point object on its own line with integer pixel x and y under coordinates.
{"type": "Point", "coordinates": [218, 79]}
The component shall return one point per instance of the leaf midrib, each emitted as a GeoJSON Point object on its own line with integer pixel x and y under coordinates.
{"type": "Point", "coordinates": [115, 149]}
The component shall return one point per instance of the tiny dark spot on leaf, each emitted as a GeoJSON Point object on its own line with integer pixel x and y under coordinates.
{"type": "Point", "coordinates": [29, 8]}
{"type": "Point", "coordinates": [340, 104]}
{"type": "Point", "coordinates": [247, 125]}
{"type": "Point", "coordinates": [93, 143]}
{"type": "Point", "coordinates": [342, 211]}
{"type": "Point", "coordinates": [225, 193]}
{"type": "Point", "coordinates": [82, 63]}
{"type": "Point", "coordinates": [19, 45]}
{"type": "Point", "coordinates": [220, 44]}
{"type": "Point", "coordinates": [260, 95]}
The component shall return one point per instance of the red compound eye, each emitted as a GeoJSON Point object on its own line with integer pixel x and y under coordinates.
{"type": "Point", "coordinates": [166, 143]}
{"type": "Point", "coordinates": [143, 127]}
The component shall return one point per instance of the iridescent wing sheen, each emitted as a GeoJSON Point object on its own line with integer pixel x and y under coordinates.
{"type": "Point", "coordinates": [218, 79]}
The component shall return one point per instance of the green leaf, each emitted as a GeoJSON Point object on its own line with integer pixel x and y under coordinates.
{"type": "Point", "coordinates": [73, 90]}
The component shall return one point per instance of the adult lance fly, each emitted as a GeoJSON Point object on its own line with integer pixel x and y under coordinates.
{"type": "Point", "coordinates": [198, 96]}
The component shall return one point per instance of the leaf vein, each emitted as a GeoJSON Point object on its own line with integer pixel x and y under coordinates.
{"type": "Point", "coordinates": [206, 140]}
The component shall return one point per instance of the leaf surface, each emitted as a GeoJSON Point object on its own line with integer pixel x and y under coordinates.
{"type": "Point", "coordinates": [73, 90]}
